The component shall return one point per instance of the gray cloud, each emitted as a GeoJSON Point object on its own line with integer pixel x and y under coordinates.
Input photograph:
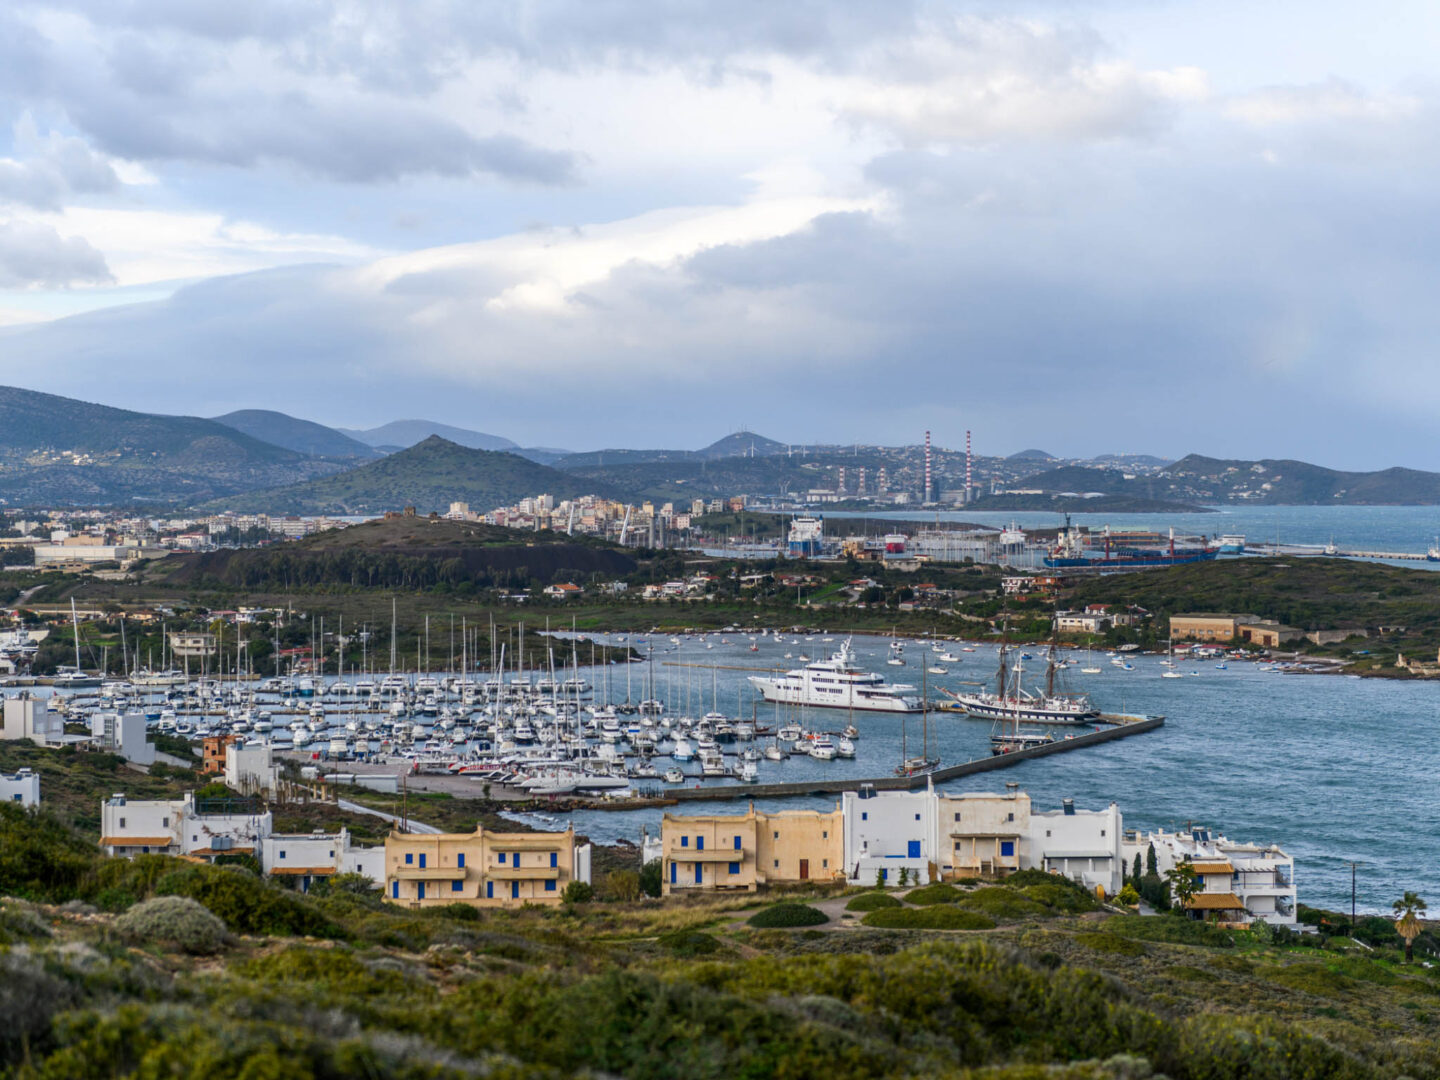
{"type": "Point", "coordinates": [36, 255]}
{"type": "Point", "coordinates": [60, 166]}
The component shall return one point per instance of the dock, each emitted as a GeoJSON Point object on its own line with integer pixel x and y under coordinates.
{"type": "Point", "coordinates": [1122, 726]}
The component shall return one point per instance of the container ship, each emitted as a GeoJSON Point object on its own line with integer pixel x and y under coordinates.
{"type": "Point", "coordinates": [1128, 549]}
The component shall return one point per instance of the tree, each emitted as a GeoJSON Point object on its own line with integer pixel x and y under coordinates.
{"type": "Point", "coordinates": [651, 878]}
{"type": "Point", "coordinates": [1151, 866]}
{"type": "Point", "coordinates": [1408, 910]}
{"type": "Point", "coordinates": [1184, 883]}
{"type": "Point", "coordinates": [1136, 874]}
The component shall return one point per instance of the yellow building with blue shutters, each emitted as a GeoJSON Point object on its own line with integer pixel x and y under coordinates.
{"type": "Point", "coordinates": [482, 869]}
{"type": "Point", "coordinates": [742, 852]}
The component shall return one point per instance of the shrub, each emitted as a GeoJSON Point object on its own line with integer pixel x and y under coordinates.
{"type": "Point", "coordinates": [688, 943]}
{"type": "Point", "coordinates": [623, 885]}
{"type": "Point", "coordinates": [652, 878]}
{"type": "Point", "coordinates": [175, 922]}
{"type": "Point", "coordinates": [20, 922]}
{"type": "Point", "coordinates": [1128, 896]}
{"type": "Point", "coordinates": [873, 901]}
{"type": "Point", "coordinates": [1002, 903]}
{"type": "Point", "coordinates": [1175, 930]}
{"type": "Point", "coordinates": [247, 904]}
{"type": "Point", "coordinates": [1111, 943]}
{"type": "Point", "coordinates": [1061, 897]}
{"type": "Point", "coordinates": [939, 893]}
{"type": "Point", "coordinates": [928, 918]}
{"type": "Point", "coordinates": [787, 915]}
{"type": "Point", "coordinates": [578, 892]}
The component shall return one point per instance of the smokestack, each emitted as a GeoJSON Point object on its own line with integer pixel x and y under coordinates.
{"type": "Point", "coordinates": [969, 468]}
{"type": "Point", "coordinates": [926, 496]}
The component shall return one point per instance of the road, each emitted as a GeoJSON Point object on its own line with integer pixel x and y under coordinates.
{"type": "Point", "coordinates": [415, 826]}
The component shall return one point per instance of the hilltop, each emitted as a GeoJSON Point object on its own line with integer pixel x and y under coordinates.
{"type": "Point", "coordinates": [59, 450]}
{"type": "Point", "coordinates": [428, 476]}
{"type": "Point", "coordinates": [1288, 482]}
{"type": "Point", "coordinates": [402, 553]}
{"type": "Point", "coordinates": [302, 436]}
{"type": "Point", "coordinates": [405, 433]}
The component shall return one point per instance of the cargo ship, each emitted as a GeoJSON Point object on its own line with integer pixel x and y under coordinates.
{"type": "Point", "coordinates": [1077, 550]}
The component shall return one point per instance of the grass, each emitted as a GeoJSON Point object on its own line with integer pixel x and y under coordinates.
{"type": "Point", "coordinates": [873, 901]}
{"type": "Point", "coordinates": [937, 917]}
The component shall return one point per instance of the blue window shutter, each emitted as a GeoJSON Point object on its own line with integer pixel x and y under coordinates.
{"type": "Point", "coordinates": [409, 858]}
{"type": "Point", "coordinates": [684, 841]}
{"type": "Point", "coordinates": [1007, 847]}
{"type": "Point", "coordinates": [456, 885]}
{"type": "Point", "coordinates": [460, 860]}
{"type": "Point", "coordinates": [864, 815]}
{"type": "Point", "coordinates": [699, 843]}
{"type": "Point", "coordinates": [734, 868]}
{"type": "Point", "coordinates": [914, 849]}
{"type": "Point", "coordinates": [737, 843]}
{"type": "Point", "coordinates": [549, 886]}
{"type": "Point", "coordinates": [501, 857]}
{"type": "Point", "coordinates": [422, 860]}
{"type": "Point", "coordinates": [282, 853]}
{"type": "Point", "coordinates": [554, 858]}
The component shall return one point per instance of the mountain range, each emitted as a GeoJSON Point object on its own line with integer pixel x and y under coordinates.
{"type": "Point", "coordinates": [57, 451]}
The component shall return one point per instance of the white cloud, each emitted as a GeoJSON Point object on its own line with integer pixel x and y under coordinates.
{"type": "Point", "coordinates": [1317, 103]}
{"type": "Point", "coordinates": [33, 254]}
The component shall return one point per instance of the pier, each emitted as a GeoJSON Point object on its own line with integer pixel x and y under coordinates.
{"type": "Point", "coordinates": [1122, 726]}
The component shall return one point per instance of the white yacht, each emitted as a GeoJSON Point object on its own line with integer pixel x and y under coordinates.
{"type": "Point", "coordinates": [837, 683]}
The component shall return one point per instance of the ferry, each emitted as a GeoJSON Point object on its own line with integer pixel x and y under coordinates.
{"type": "Point", "coordinates": [837, 683]}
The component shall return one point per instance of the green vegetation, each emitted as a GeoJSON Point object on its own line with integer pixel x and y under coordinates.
{"type": "Point", "coordinates": [173, 922]}
{"type": "Point", "coordinates": [938, 917]}
{"type": "Point", "coordinates": [873, 901]}
{"type": "Point", "coordinates": [786, 915]}
{"type": "Point", "coordinates": [939, 893]}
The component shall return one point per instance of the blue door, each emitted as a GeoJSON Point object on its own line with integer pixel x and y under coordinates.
{"type": "Point", "coordinates": [395, 890]}
{"type": "Point", "coordinates": [420, 888]}
{"type": "Point", "coordinates": [699, 873]}
{"type": "Point", "coordinates": [699, 843]}
{"type": "Point", "coordinates": [672, 873]}
{"type": "Point", "coordinates": [422, 860]}
{"type": "Point", "coordinates": [514, 890]}
{"type": "Point", "coordinates": [914, 851]}
{"type": "Point", "coordinates": [489, 890]}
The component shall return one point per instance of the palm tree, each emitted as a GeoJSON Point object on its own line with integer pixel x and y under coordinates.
{"type": "Point", "coordinates": [1408, 910]}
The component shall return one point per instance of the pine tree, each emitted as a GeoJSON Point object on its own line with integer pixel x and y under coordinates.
{"type": "Point", "coordinates": [1135, 874]}
{"type": "Point", "coordinates": [1151, 866]}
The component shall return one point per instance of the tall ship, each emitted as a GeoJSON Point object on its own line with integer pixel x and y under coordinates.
{"type": "Point", "coordinates": [1011, 702]}
{"type": "Point", "coordinates": [1125, 549]}
{"type": "Point", "coordinates": [837, 683]}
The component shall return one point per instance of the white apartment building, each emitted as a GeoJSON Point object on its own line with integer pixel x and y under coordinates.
{"type": "Point", "coordinates": [886, 831]}
{"type": "Point", "coordinates": [123, 734]}
{"type": "Point", "coordinates": [21, 787]}
{"type": "Point", "coordinates": [1238, 882]}
{"type": "Point", "coordinates": [250, 769]}
{"type": "Point", "coordinates": [985, 834]}
{"type": "Point", "coordinates": [26, 717]}
{"type": "Point", "coordinates": [308, 856]}
{"type": "Point", "coordinates": [1083, 845]}
{"type": "Point", "coordinates": [202, 828]}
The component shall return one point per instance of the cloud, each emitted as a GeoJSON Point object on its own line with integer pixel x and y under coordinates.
{"type": "Point", "coordinates": [1334, 99]}
{"type": "Point", "coordinates": [32, 255]}
{"type": "Point", "coordinates": [53, 167]}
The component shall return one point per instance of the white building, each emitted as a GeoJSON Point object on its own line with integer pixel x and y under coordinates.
{"type": "Point", "coordinates": [26, 717]}
{"type": "Point", "coordinates": [1083, 845]}
{"type": "Point", "coordinates": [203, 828]}
{"type": "Point", "coordinates": [250, 769]}
{"type": "Point", "coordinates": [22, 787]}
{"type": "Point", "coordinates": [1238, 882]}
{"type": "Point", "coordinates": [123, 734]}
{"type": "Point", "coordinates": [307, 856]}
{"type": "Point", "coordinates": [886, 831]}
{"type": "Point", "coordinates": [985, 834]}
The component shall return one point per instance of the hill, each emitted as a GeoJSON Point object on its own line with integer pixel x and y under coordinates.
{"type": "Point", "coordinates": [302, 436]}
{"type": "Point", "coordinates": [428, 476]}
{"type": "Point", "coordinates": [743, 444]}
{"type": "Point", "coordinates": [403, 553]}
{"type": "Point", "coordinates": [62, 451]}
{"type": "Point", "coordinates": [403, 433]}
{"type": "Point", "coordinates": [1031, 455]}
{"type": "Point", "coordinates": [1287, 482]}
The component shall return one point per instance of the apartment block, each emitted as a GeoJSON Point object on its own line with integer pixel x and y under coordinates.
{"type": "Point", "coordinates": [306, 857]}
{"type": "Point", "coordinates": [742, 852]}
{"type": "Point", "coordinates": [203, 828]}
{"type": "Point", "coordinates": [1239, 882]}
{"type": "Point", "coordinates": [483, 869]}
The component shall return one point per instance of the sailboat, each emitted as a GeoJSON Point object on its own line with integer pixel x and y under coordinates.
{"type": "Point", "coordinates": [77, 679]}
{"type": "Point", "coordinates": [1090, 668]}
{"type": "Point", "coordinates": [1012, 701]}
{"type": "Point", "coordinates": [916, 766]}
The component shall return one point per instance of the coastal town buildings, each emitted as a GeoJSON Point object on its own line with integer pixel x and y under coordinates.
{"type": "Point", "coordinates": [483, 868]}
{"type": "Point", "coordinates": [727, 852]}
{"type": "Point", "coordinates": [21, 787]}
{"type": "Point", "coordinates": [1238, 882]}
{"type": "Point", "coordinates": [307, 857]}
{"type": "Point", "coordinates": [202, 828]}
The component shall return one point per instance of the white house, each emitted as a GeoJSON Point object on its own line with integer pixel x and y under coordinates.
{"type": "Point", "coordinates": [1084, 845]}
{"type": "Point", "coordinates": [886, 831]}
{"type": "Point", "coordinates": [250, 769]}
{"type": "Point", "coordinates": [985, 834]}
{"type": "Point", "coordinates": [22, 787]}
{"type": "Point", "coordinates": [1238, 882]}
{"type": "Point", "coordinates": [307, 856]}
{"type": "Point", "coordinates": [204, 828]}
{"type": "Point", "coordinates": [123, 734]}
{"type": "Point", "coordinates": [26, 717]}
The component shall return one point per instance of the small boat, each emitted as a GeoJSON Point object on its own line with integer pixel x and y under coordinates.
{"type": "Point", "coordinates": [824, 749]}
{"type": "Point", "coordinates": [1172, 674]}
{"type": "Point", "coordinates": [895, 661]}
{"type": "Point", "coordinates": [674, 776]}
{"type": "Point", "coordinates": [845, 748]}
{"type": "Point", "coordinates": [936, 669]}
{"type": "Point", "coordinates": [774, 753]}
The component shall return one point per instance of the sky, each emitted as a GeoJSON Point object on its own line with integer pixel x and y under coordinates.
{"type": "Point", "coordinates": [1159, 227]}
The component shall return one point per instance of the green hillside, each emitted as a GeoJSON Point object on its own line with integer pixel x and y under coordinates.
{"type": "Point", "coordinates": [428, 476]}
{"type": "Point", "coordinates": [302, 436]}
{"type": "Point", "coordinates": [60, 450]}
{"type": "Point", "coordinates": [1297, 482]}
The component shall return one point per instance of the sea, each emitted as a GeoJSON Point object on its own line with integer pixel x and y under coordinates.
{"type": "Point", "coordinates": [1335, 769]}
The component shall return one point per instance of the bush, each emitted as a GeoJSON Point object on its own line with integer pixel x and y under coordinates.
{"type": "Point", "coordinates": [1175, 930]}
{"type": "Point", "coordinates": [652, 878]}
{"type": "Point", "coordinates": [873, 901]}
{"type": "Point", "coordinates": [788, 915]}
{"type": "Point", "coordinates": [928, 918]}
{"type": "Point", "coordinates": [689, 943]}
{"type": "Point", "coordinates": [1111, 943]}
{"type": "Point", "coordinates": [623, 885]}
{"type": "Point", "coordinates": [1001, 903]}
{"type": "Point", "coordinates": [939, 893]}
{"type": "Point", "coordinates": [578, 892]}
{"type": "Point", "coordinates": [1128, 896]}
{"type": "Point", "coordinates": [247, 904]}
{"type": "Point", "coordinates": [175, 922]}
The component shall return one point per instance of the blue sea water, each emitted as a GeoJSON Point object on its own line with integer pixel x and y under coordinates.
{"type": "Point", "coordinates": [1332, 768]}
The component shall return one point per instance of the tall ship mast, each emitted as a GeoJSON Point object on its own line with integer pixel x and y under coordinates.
{"type": "Point", "coordinates": [1011, 701]}
{"type": "Point", "coordinates": [837, 683]}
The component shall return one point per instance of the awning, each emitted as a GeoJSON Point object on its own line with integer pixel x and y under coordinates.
{"type": "Point", "coordinates": [205, 851]}
{"type": "Point", "coordinates": [1212, 868]}
{"type": "Point", "coordinates": [302, 871]}
{"type": "Point", "coordinates": [1215, 902]}
{"type": "Point", "coordinates": [136, 841]}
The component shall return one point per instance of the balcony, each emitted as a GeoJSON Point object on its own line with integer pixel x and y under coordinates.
{"type": "Point", "coordinates": [523, 873]}
{"type": "Point", "coordinates": [524, 842]}
{"type": "Point", "coordinates": [706, 855]}
{"type": "Point", "coordinates": [427, 873]}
